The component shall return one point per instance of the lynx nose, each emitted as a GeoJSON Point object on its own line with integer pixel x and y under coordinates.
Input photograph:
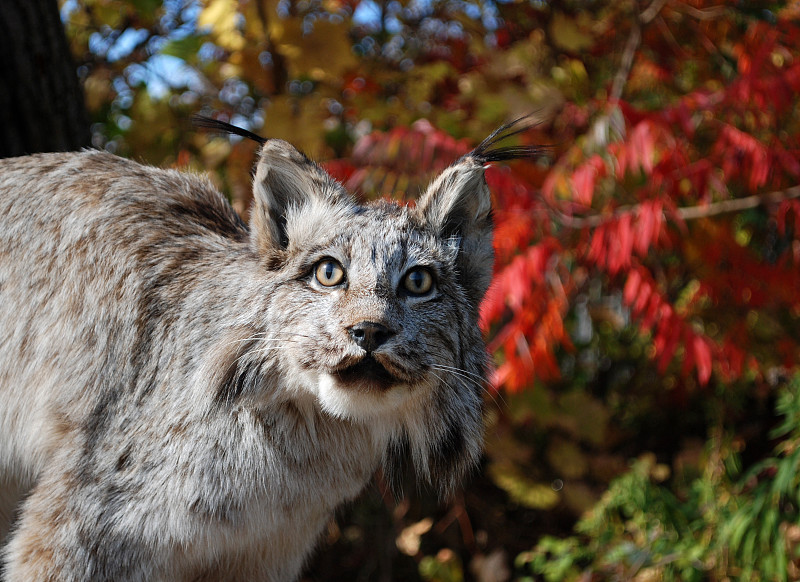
{"type": "Point", "coordinates": [369, 335]}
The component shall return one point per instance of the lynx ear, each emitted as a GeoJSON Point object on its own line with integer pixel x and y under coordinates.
{"type": "Point", "coordinates": [288, 183]}
{"type": "Point", "coordinates": [457, 205]}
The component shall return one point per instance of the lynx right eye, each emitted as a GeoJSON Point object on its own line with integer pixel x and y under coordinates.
{"type": "Point", "coordinates": [329, 273]}
{"type": "Point", "coordinates": [418, 282]}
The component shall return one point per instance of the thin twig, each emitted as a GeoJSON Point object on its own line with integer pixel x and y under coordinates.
{"type": "Point", "coordinates": [631, 46]}
{"type": "Point", "coordinates": [712, 13]}
{"type": "Point", "coordinates": [651, 11]}
{"type": "Point", "coordinates": [626, 62]}
{"type": "Point", "coordinates": [738, 204]}
{"type": "Point", "coordinates": [687, 212]}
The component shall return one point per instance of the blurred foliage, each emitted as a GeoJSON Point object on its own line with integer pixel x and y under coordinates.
{"type": "Point", "coordinates": [721, 525]}
{"type": "Point", "coordinates": [645, 313]}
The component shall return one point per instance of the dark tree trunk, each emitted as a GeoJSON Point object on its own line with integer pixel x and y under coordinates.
{"type": "Point", "coordinates": [41, 101]}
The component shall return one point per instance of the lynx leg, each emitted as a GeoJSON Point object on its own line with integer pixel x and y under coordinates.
{"type": "Point", "coordinates": [57, 538]}
{"type": "Point", "coordinates": [36, 549]}
{"type": "Point", "coordinates": [25, 557]}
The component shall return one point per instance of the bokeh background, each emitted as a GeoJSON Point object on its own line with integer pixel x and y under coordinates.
{"type": "Point", "coordinates": [643, 421]}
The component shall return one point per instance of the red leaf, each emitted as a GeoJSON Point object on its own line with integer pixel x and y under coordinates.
{"type": "Point", "coordinates": [702, 357]}
{"type": "Point", "coordinates": [625, 234]}
{"type": "Point", "coordinates": [585, 177]}
{"type": "Point", "coordinates": [784, 208]}
{"type": "Point", "coordinates": [632, 286]}
{"type": "Point", "coordinates": [597, 248]}
{"type": "Point", "coordinates": [641, 148]}
{"type": "Point", "coordinates": [648, 225]}
{"type": "Point", "coordinates": [742, 155]}
{"type": "Point", "coordinates": [669, 334]}
{"type": "Point", "coordinates": [645, 294]}
{"type": "Point", "coordinates": [653, 308]}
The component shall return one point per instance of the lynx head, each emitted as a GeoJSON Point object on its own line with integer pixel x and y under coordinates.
{"type": "Point", "coordinates": [376, 309]}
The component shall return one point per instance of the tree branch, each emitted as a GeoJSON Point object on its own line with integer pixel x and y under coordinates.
{"type": "Point", "coordinates": [626, 62]}
{"type": "Point", "coordinates": [738, 204]}
{"type": "Point", "coordinates": [631, 46]}
{"type": "Point", "coordinates": [687, 212]}
{"type": "Point", "coordinates": [712, 13]}
{"type": "Point", "coordinates": [280, 73]}
{"type": "Point", "coordinates": [651, 11]}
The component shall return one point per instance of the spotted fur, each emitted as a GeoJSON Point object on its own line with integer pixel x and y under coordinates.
{"type": "Point", "coordinates": [180, 399]}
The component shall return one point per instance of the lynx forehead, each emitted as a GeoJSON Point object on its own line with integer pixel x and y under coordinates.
{"type": "Point", "coordinates": [187, 397]}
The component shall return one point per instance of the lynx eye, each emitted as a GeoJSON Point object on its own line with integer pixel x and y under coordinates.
{"type": "Point", "coordinates": [418, 281]}
{"type": "Point", "coordinates": [329, 273]}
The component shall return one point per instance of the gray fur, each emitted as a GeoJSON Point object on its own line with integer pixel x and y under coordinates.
{"type": "Point", "coordinates": [171, 395]}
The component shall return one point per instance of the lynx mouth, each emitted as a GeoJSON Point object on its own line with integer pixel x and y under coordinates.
{"type": "Point", "coordinates": [367, 373]}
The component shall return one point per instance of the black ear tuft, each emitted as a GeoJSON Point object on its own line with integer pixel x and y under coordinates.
{"type": "Point", "coordinates": [204, 122]}
{"type": "Point", "coordinates": [487, 152]}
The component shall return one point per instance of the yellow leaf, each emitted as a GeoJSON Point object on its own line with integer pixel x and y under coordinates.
{"type": "Point", "coordinates": [567, 459]}
{"type": "Point", "coordinates": [97, 89]}
{"type": "Point", "coordinates": [521, 489]}
{"type": "Point", "coordinates": [214, 152]}
{"type": "Point", "coordinates": [109, 15]}
{"type": "Point", "coordinates": [323, 53]}
{"type": "Point", "coordinates": [568, 35]}
{"type": "Point", "coordinates": [590, 415]}
{"type": "Point", "coordinates": [297, 121]}
{"type": "Point", "coordinates": [410, 538]}
{"type": "Point", "coordinates": [221, 17]}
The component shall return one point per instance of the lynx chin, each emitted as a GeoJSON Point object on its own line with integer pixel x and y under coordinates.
{"type": "Point", "coordinates": [187, 397]}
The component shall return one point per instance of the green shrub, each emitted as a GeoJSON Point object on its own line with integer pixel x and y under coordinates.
{"type": "Point", "coordinates": [724, 524]}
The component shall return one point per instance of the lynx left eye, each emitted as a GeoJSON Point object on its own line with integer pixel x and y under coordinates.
{"type": "Point", "coordinates": [329, 273]}
{"type": "Point", "coordinates": [418, 282]}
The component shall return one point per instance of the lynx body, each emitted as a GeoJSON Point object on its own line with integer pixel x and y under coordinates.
{"type": "Point", "coordinates": [187, 397]}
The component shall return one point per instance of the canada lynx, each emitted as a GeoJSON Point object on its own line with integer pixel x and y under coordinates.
{"type": "Point", "coordinates": [187, 397]}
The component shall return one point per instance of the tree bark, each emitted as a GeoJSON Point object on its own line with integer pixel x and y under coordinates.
{"type": "Point", "coordinates": [41, 102]}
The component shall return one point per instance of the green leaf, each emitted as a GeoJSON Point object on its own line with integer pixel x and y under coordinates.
{"type": "Point", "coordinates": [769, 529]}
{"type": "Point", "coordinates": [781, 560]}
{"type": "Point", "coordinates": [737, 527]}
{"type": "Point", "coordinates": [147, 6]}
{"type": "Point", "coordinates": [786, 478]}
{"type": "Point", "coordinates": [185, 48]}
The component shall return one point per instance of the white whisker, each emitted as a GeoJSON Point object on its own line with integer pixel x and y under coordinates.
{"type": "Point", "coordinates": [472, 378]}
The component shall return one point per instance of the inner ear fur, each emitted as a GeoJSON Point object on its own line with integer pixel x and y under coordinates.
{"type": "Point", "coordinates": [458, 205]}
{"type": "Point", "coordinates": [286, 182]}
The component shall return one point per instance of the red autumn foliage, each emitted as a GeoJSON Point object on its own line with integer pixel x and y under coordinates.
{"type": "Point", "coordinates": [672, 213]}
